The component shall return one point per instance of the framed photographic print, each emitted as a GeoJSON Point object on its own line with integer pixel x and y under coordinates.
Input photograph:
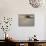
{"type": "Point", "coordinates": [26, 19]}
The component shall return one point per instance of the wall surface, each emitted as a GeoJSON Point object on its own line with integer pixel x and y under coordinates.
{"type": "Point", "coordinates": [12, 8]}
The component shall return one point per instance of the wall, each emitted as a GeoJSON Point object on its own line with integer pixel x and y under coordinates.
{"type": "Point", "coordinates": [12, 8]}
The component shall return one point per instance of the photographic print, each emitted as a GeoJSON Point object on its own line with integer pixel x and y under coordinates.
{"type": "Point", "coordinates": [26, 20]}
